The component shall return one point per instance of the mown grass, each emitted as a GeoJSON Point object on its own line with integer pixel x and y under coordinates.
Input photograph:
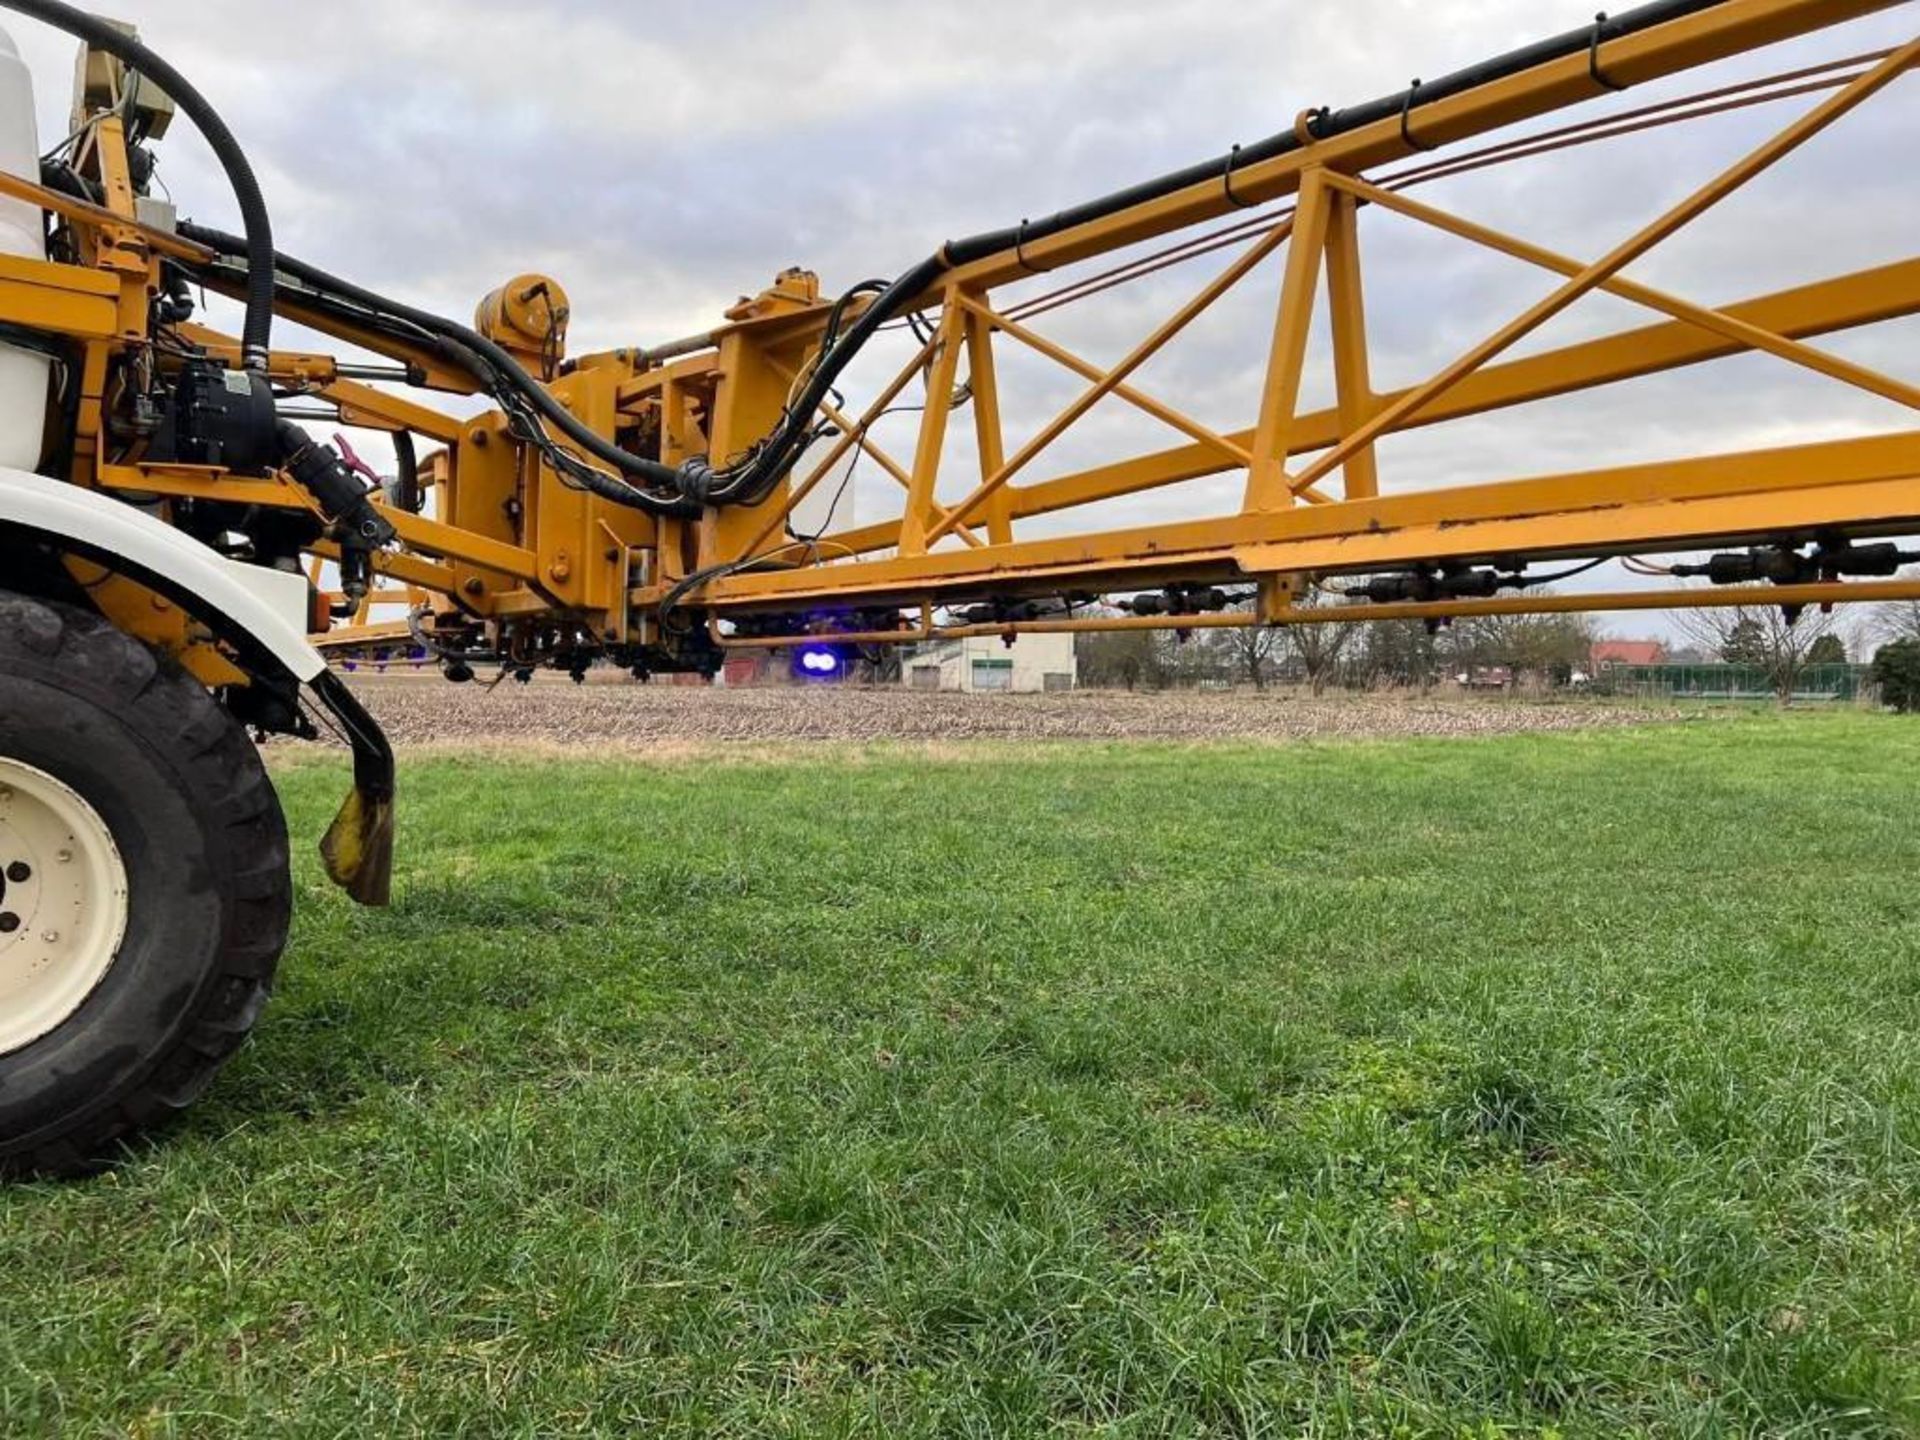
{"type": "Point", "coordinates": [1526, 1086]}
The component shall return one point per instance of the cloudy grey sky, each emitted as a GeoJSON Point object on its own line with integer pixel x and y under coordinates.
{"type": "Point", "coordinates": [662, 159]}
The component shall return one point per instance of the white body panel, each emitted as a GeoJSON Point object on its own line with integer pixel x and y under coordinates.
{"type": "Point", "coordinates": [267, 604]}
{"type": "Point", "coordinates": [23, 374]}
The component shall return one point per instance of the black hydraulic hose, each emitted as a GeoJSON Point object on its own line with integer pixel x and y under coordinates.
{"type": "Point", "coordinates": [781, 448]}
{"type": "Point", "coordinates": [256, 334]}
{"type": "Point", "coordinates": [698, 480]}
{"type": "Point", "coordinates": [405, 491]}
{"type": "Point", "coordinates": [496, 358]}
{"type": "Point", "coordinates": [1328, 123]}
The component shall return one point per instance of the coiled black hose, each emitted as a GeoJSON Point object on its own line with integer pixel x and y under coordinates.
{"type": "Point", "coordinates": [753, 475]}
{"type": "Point", "coordinates": [481, 355]}
{"type": "Point", "coordinates": [256, 334]}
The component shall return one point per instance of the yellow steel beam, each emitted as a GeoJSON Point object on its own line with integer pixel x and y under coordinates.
{"type": "Point", "coordinates": [1741, 332]}
{"type": "Point", "coordinates": [302, 366]}
{"type": "Point", "coordinates": [1853, 592]}
{"type": "Point", "coordinates": [436, 372]}
{"type": "Point", "coordinates": [1866, 592]}
{"type": "Point", "coordinates": [1287, 356]}
{"type": "Point", "coordinates": [377, 632]}
{"type": "Point", "coordinates": [418, 532]}
{"type": "Point", "coordinates": [880, 457]}
{"type": "Point", "coordinates": [1726, 30]}
{"type": "Point", "coordinates": [1867, 297]}
{"type": "Point", "coordinates": [61, 299]}
{"type": "Point", "coordinates": [377, 410]}
{"type": "Point", "coordinates": [1663, 523]}
{"type": "Point", "coordinates": [161, 242]}
{"type": "Point", "coordinates": [951, 337]}
{"type": "Point", "coordinates": [192, 482]}
{"type": "Point", "coordinates": [1854, 95]}
{"type": "Point", "coordinates": [1645, 506]}
{"type": "Point", "coordinates": [839, 449]}
{"type": "Point", "coordinates": [1862, 592]}
{"type": "Point", "coordinates": [1352, 374]}
{"type": "Point", "coordinates": [360, 405]}
{"type": "Point", "coordinates": [650, 384]}
{"type": "Point", "coordinates": [449, 542]}
{"type": "Point", "coordinates": [1087, 370]}
{"type": "Point", "coordinates": [399, 565]}
{"type": "Point", "coordinates": [1113, 380]}
{"type": "Point", "coordinates": [989, 434]}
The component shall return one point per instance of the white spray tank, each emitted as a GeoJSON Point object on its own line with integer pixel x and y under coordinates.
{"type": "Point", "coordinates": [23, 373]}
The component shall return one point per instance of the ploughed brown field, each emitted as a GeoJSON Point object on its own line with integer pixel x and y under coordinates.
{"type": "Point", "coordinates": [423, 709]}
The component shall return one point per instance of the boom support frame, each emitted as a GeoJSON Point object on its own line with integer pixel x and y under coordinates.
{"type": "Point", "coordinates": [510, 559]}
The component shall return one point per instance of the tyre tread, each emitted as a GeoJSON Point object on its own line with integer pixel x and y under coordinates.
{"type": "Point", "coordinates": [210, 749]}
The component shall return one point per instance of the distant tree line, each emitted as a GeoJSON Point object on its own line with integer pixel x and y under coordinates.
{"type": "Point", "coordinates": [1533, 651]}
{"type": "Point", "coordinates": [1521, 650]}
{"type": "Point", "coordinates": [1784, 646]}
{"type": "Point", "coordinates": [1896, 664]}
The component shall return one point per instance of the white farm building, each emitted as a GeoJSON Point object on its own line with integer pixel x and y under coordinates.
{"type": "Point", "coordinates": [1033, 663]}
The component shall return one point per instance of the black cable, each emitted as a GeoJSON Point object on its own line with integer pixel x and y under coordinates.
{"type": "Point", "coordinates": [509, 370]}
{"type": "Point", "coordinates": [1332, 123]}
{"type": "Point", "coordinates": [524, 398]}
{"type": "Point", "coordinates": [773, 456]}
{"type": "Point", "coordinates": [833, 505]}
{"type": "Point", "coordinates": [840, 490]}
{"type": "Point", "coordinates": [256, 334]}
{"type": "Point", "coordinates": [1532, 580]}
{"type": "Point", "coordinates": [760, 468]}
{"type": "Point", "coordinates": [671, 600]}
{"type": "Point", "coordinates": [406, 493]}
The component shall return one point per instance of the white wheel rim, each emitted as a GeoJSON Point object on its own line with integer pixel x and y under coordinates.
{"type": "Point", "coordinates": [63, 902]}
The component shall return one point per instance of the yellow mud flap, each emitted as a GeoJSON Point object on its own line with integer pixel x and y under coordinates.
{"type": "Point", "coordinates": [358, 847]}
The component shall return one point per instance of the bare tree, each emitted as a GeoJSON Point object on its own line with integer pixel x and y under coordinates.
{"type": "Point", "coordinates": [1320, 646]}
{"type": "Point", "coordinates": [1898, 619]}
{"type": "Point", "coordinates": [1253, 649]}
{"type": "Point", "coordinates": [1396, 652]}
{"type": "Point", "coordinates": [1116, 658]}
{"type": "Point", "coordinates": [1548, 647]}
{"type": "Point", "coordinates": [1764, 637]}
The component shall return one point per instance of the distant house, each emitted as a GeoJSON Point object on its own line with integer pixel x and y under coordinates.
{"type": "Point", "coordinates": [1628, 652]}
{"type": "Point", "coordinates": [1034, 663]}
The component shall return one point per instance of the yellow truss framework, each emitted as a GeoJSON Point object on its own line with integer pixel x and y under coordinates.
{"type": "Point", "coordinates": [510, 544]}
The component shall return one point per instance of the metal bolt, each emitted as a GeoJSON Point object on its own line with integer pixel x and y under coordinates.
{"type": "Point", "coordinates": [64, 857]}
{"type": "Point", "coordinates": [50, 936]}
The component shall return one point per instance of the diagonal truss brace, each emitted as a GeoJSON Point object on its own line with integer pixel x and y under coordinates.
{"type": "Point", "coordinates": [1598, 275]}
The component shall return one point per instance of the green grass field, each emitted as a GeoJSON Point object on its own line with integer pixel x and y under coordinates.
{"type": "Point", "coordinates": [1557, 1085]}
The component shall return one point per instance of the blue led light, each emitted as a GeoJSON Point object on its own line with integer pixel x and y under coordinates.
{"type": "Point", "coordinates": [816, 660]}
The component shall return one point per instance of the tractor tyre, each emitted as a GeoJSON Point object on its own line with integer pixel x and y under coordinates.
{"type": "Point", "coordinates": [144, 888]}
